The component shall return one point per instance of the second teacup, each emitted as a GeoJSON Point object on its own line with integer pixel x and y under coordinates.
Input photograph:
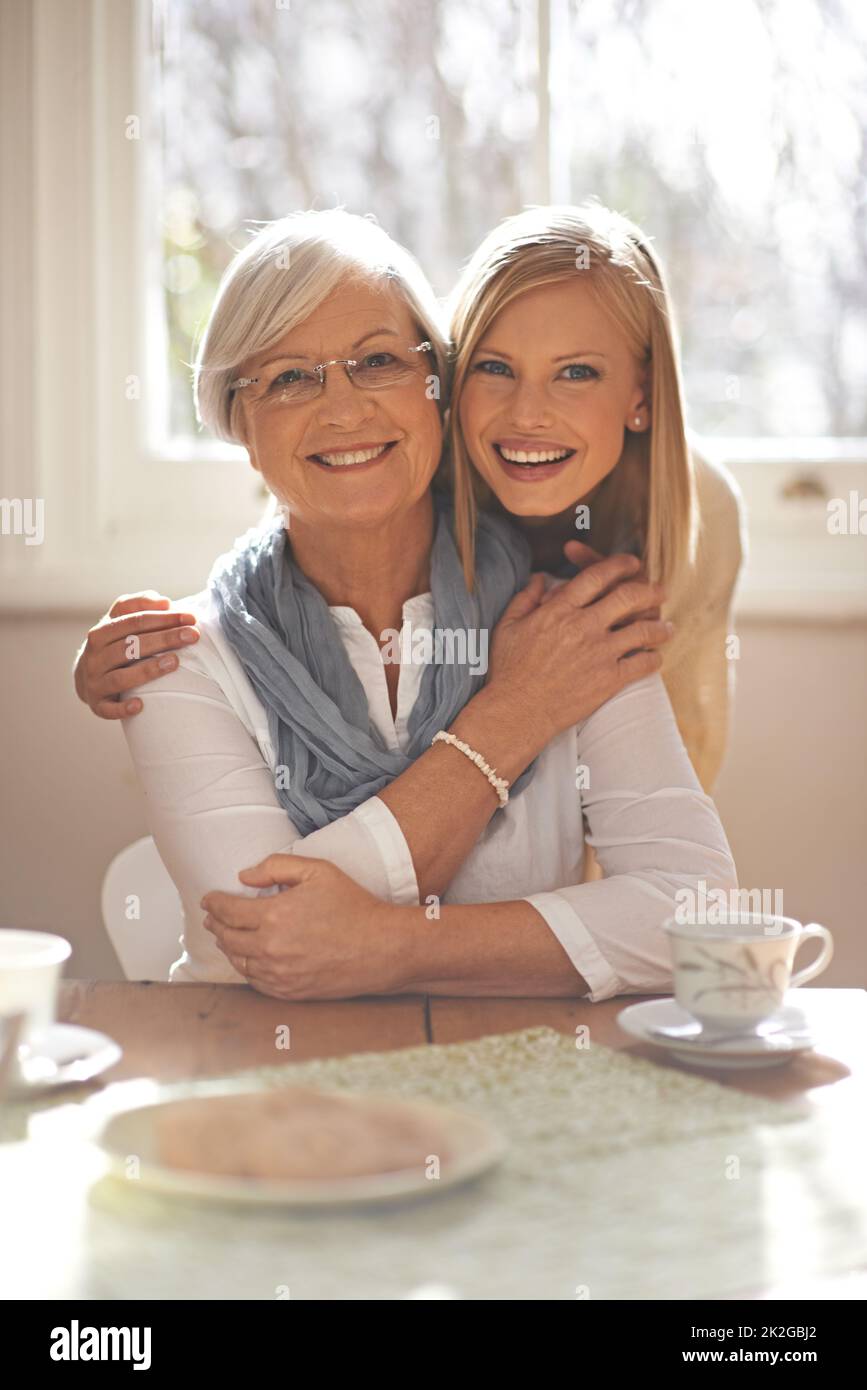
{"type": "Point", "coordinates": [735, 974]}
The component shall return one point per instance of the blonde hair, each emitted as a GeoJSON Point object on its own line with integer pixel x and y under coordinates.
{"type": "Point", "coordinates": [651, 490]}
{"type": "Point", "coordinates": [277, 281]}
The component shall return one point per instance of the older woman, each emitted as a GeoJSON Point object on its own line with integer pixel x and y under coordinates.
{"type": "Point", "coordinates": [397, 783]}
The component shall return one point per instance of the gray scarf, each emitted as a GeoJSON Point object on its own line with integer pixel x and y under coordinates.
{"type": "Point", "coordinates": [282, 631]}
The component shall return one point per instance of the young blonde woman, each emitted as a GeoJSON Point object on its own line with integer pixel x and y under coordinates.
{"type": "Point", "coordinates": [567, 413]}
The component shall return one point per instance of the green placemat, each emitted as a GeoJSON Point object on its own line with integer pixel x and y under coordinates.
{"type": "Point", "coordinates": [624, 1179]}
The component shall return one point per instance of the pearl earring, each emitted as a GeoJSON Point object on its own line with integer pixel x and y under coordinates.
{"type": "Point", "coordinates": [638, 420]}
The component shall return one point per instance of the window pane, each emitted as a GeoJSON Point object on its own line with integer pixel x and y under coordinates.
{"type": "Point", "coordinates": [735, 133]}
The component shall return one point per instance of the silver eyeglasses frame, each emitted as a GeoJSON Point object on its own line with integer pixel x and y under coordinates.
{"type": "Point", "coordinates": [321, 368]}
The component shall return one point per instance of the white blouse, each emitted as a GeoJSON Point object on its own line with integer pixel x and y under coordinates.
{"type": "Point", "coordinates": [204, 757]}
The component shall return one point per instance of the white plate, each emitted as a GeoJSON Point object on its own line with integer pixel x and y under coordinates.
{"type": "Point", "coordinates": [79, 1054]}
{"type": "Point", "coordinates": [737, 1053]}
{"type": "Point", "coordinates": [474, 1145]}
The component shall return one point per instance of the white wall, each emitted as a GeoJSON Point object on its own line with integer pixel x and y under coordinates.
{"type": "Point", "coordinates": [791, 795]}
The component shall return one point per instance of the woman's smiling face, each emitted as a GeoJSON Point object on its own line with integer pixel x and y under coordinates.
{"type": "Point", "coordinates": [548, 393]}
{"type": "Point", "coordinates": [349, 456]}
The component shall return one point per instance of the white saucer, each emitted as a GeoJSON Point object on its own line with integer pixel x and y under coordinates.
{"type": "Point", "coordinates": [739, 1053]}
{"type": "Point", "coordinates": [80, 1054]}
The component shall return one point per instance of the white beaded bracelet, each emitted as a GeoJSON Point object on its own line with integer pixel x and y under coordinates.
{"type": "Point", "coordinates": [499, 784]}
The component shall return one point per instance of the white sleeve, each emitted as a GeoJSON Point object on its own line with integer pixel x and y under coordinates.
{"type": "Point", "coordinates": [654, 832]}
{"type": "Point", "coordinates": [213, 809]}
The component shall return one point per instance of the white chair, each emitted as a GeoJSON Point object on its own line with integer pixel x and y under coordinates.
{"type": "Point", "coordinates": [142, 912]}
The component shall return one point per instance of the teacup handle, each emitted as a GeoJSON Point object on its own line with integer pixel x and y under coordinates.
{"type": "Point", "coordinates": [824, 957]}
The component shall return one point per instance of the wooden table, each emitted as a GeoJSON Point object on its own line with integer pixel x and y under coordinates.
{"type": "Point", "coordinates": [170, 1032]}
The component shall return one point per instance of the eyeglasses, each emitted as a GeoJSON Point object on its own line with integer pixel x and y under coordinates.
{"type": "Point", "coordinates": [376, 372]}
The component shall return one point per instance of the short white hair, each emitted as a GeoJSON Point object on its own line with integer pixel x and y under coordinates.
{"type": "Point", "coordinates": [277, 281]}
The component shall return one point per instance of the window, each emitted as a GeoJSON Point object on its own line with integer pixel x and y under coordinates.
{"type": "Point", "coordinates": [140, 139]}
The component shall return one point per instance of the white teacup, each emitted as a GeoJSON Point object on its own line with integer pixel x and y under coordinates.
{"type": "Point", "coordinates": [735, 974]}
{"type": "Point", "coordinates": [30, 966]}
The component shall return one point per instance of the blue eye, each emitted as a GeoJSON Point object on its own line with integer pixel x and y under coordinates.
{"type": "Point", "coordinates": [377, 360]}
{"type": "Point", "coordinates": [580, 367]}
{"type": "Point", "coordinates": [491, 367]}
